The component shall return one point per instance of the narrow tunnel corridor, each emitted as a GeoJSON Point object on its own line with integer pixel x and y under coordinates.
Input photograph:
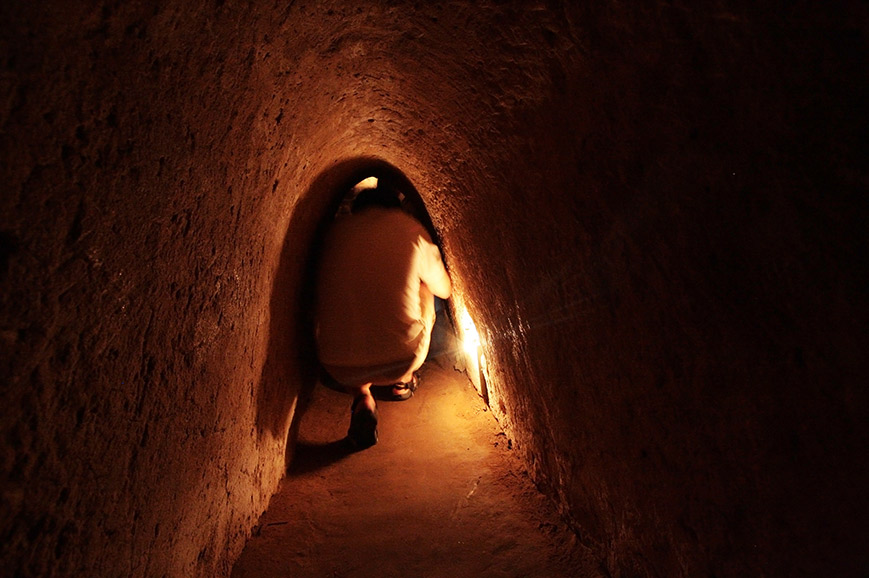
{"type": "Point", "coordinates": [654, 214]}
{"type": "Point", "coordinates": [441, 494]}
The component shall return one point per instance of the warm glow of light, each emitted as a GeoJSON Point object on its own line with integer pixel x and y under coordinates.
{"type": "Point", "coordinates": [369, 183]}
{"type": "Point", "coordinates": [470, 337]}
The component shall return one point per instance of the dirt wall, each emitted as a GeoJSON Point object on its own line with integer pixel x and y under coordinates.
{"type": "Point", "coordinates": [653, 212]}
{"type": "Point", "coordinates": [671, 301]}
{"type": "Point", "coordinates": [143, 218]}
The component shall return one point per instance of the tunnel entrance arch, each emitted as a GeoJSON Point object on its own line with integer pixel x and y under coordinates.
{"type": "Point", "coordinates": [291, 370]}
{"type": "Point", "coordinates": [377, 173]}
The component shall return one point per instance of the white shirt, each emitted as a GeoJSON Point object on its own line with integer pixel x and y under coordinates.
{"type": "Point", "coordinates": [377, 274]}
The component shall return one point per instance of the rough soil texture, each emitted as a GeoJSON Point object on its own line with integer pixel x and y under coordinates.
{"type": "Point", "coordinates": [441, 494]}
{"type": "Point", "coordinates": [655, 212]}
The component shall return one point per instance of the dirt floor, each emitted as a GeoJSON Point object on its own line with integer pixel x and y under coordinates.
{"type": "Point", "coordinates": [441, 494]}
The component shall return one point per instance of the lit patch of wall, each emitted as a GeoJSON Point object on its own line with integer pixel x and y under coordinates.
{"type": "Point", "coordinates": [474, 353]}
{"type": "Point", "coordinates": [471, 352]}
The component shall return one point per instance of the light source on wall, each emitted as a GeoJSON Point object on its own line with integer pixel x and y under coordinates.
{"type": "Point", "coordinates": [474, 360]}
{"type": "Point", "coordinates": [470, 337]}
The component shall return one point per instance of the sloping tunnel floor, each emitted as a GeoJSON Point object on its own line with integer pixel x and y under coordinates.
{"type": "Point", "coordinates": [441, 494]}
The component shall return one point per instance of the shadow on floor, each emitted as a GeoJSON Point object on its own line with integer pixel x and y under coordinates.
{"type": "Point", "coordinates": [313, 456]}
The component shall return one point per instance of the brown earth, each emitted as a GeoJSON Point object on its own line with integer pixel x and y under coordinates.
{"type": "Point", "coordinates": [441, 494]}
{"type": "Point", "coordinates": [654, 212]}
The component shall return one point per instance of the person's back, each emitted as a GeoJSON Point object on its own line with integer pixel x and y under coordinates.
{"type": "Point", "coordinates": [375, 309]}
{"type": "Point", "coordinates": [369, 305]}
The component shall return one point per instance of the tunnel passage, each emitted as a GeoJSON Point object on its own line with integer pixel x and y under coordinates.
{"type": "Point", "coordinates": [291, 369]}
{"type": "Point", "coordinates": [654, 213]}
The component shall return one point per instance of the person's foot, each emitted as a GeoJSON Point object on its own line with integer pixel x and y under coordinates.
{"type": "Point", "coordinates": [363, 422]}
{"type": "Point", "coordinates": [400, 391]}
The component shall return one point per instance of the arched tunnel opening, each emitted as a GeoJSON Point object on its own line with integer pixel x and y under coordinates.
{"type": "Point", "coordinates": [291, 368]}
{"type": "Point", "coordinates": [292, 350]}
{"type": "Point", "coordinates": [653, 216]}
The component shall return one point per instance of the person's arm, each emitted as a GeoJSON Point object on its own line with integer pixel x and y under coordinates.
{"type": "Point", "coordinates": [433, 273]}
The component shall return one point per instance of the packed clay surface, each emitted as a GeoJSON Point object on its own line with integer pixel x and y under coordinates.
{"type": "Point", "coordinates": [441, 494]}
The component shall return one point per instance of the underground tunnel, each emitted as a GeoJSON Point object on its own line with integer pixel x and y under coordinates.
{"type": "Point", "coordinates": [654, 214]}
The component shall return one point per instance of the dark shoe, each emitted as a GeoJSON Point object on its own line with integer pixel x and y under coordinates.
{"type": "Point", "coordinates": [397, 391]}
{"type": "Point", "coordinates": [363, 426]}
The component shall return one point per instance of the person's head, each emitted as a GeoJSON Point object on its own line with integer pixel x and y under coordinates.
{"type": "Point", "coordinates": [382, 196]}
